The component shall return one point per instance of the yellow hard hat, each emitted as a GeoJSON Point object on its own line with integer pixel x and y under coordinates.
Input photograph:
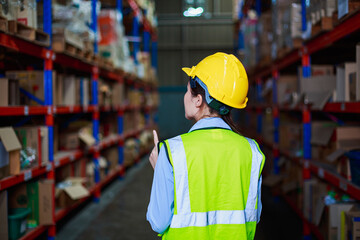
{"type": "Point", "coordinates": [225, 78]}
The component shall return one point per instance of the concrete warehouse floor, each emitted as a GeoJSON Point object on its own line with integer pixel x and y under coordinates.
{"type": "Point", "coordinates": [121, 213]}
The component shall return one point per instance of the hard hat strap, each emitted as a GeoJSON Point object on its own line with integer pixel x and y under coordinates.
{"type": "Point", "coordinates": [212, 102]}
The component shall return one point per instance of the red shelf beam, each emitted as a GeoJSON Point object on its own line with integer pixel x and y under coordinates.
{"type": "Point", "coordinates": [337, 181]}
{"type": "Point", "coordinates": [72, 62]}
{"type": "Point", "coordinates": [34, 233]}
{"type": "Point", "coordinates": [343, 107]}
{"type": "Point", "coordinates": [23, 110]}
{"type": "Point", "coordinates": [340, 31]}
{"type": "Point", "coordinates": [313, 45]}
{"type": "Point", "coordinates": [111, 75]}
{"type": "Point", "coordinates": [24, 176]}
{"type": "Point", "coordinates": [348, 107]}
{"type": "Point", "coordinates": [22, 46]}
{"type": "Point", "coordinates": [74, 109]}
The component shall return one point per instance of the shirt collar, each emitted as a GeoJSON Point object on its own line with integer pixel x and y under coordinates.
{"type": "Point", "coordinates": [213, 122]}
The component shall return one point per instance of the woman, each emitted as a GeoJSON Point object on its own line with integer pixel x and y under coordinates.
{"type": "Point", "coordinates": [207, 182]}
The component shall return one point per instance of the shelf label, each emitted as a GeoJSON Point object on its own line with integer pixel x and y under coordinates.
{"type": "Point", "coordinates": [306, 164]}
{"type": "Point", "coordinates": [27, 175]}
{"type": "Point", "coordinates": [48, 167]}
{"type": "Point", "coordinates": [342, 107]}
{"type": "Point", "coordinates": [72, 157]}
{"type": "Point", "coordinates": [321, 173]}
{"type": "Point", "coordinates": [49, 110]}
{"type": "Point", "coordinates": [54, 109]}
{"type": "Point", "coordinates": [26, 110]}
{"type": "Point", "coordinates": [57, 163]}
{"type": "Point", "coordinates": [343, 185]}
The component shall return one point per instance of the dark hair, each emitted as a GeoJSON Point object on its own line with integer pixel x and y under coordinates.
{"type": "Point", "coordinates": [227, 117]}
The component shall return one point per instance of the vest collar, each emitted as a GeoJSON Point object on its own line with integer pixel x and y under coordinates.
{"type": "Point", "coordinates": [213, 122]}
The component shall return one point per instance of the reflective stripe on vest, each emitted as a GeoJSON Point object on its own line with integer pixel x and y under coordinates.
{"type": "Point", "coordinates": [186, 218]}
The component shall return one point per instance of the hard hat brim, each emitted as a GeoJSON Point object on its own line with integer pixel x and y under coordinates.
{"type": "Point", "coordinates": [187, 70]}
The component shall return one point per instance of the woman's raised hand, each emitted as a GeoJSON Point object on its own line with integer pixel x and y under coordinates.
{"type": "Point", "coordinates": [154, 153]}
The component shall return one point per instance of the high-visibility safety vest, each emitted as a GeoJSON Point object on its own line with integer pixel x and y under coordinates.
{"type": "Point", "coordinates": [216, 178]}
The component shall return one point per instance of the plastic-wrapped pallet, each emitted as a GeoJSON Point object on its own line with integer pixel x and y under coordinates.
{"type": "Point", "coordinates": [72, 20]}
{"type": "Point", "coordinates": [113, 44]}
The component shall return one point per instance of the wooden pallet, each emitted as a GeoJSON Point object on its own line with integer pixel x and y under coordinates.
{"type": "Point", "coordinates": [297, 42]}
{"type": "Point", "coordinates": [60, 45]}
{"type": "Point", "coordinates": [28, 33]}
{"type": "Point", "coordinates": [325, 24]}
{"type": "Point", "coordinates": [3, 24]}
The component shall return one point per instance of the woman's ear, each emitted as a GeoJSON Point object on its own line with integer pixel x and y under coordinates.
{"type": "Point", "coordinates": [198, 100]}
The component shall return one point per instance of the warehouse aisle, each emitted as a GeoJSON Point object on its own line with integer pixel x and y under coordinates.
{"type": "Point", "coordinates": [122, 209]}
{"type": "Point", "coordinates": [121, 213]}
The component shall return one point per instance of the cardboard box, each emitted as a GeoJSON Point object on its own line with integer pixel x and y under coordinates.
{"type": "Point", "coordinates": [46, 214]}
{"type": "Point", "coordinates": [14, 92]}
{"type": "Point", "coordinates": [112, 155]}
{"type": "Point", "coordinates": [352, 218]}
{"type": "Point", "coordinates": [69, 140]}
{"type": "Point", "coordinates": [26, 13]}
{"type": "Point", "coordinates": [11, 155]}
{"type": "Point", "coordinates": [7, 9]}
{"type": "Point", "coordinates": [18, 197]}
{"type": "Point", "coordinates": [69, 91]}
{"type": "Point", "coordinates": [350, 81]}
{"type": "Point", "coordinates": [84, 91]}
{"type": "Point", "coordinates": [36, 195]}
{"type": "Point", "coordinates": [73, 191]}
{"type": "Point", "coordinates": [337, 220]}
{"type": "Point", "coordinates": [4, 215]}
{"type": "Point", "coordinates": [31, 82]}
{"type": "Point", "coordinates": [286, 85]}
{"type": "Point", "coordinates": [118, 94]}
{"type": "Point", "coordinates": [4, 92]}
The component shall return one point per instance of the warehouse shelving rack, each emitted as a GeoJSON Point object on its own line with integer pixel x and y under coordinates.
{"type": "Point", "coordinates": [310, 167]}
{"type": "Point", "coordinates": [49, 111]}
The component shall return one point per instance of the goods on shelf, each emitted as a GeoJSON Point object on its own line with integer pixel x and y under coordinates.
{"type": "Point", "coordinates": [9, 152]}
{"type": "Point", "coordinates": [113, 44]}
{"type": "Point", "coordinates": [22, 11]}
{"type": "Point", "coordinates": [146, 141]}
{"type": "Point", "coordinates": [131, 151]}
{"type": "Point", "coordinates": [4, 234]}
{"type": "Point", "coordinates": [105, 94]}
{"type": "Point", "coordinates": [75, 134]}
{"type": "Point", "coordinates": [71, 21]}
{"type": "Point", "coordinates": [112, 155]}
{"type": "Point", "coordinates": [90, 169]}
{"type": "Point", "coordinates": [72, 90]}
{"type": "Point", "coordinates": [69, 191]}
{"type": "Point", "coordinates": [118, 94]}
{"type": "Point", "coordinates": [35, 196]}
{"type": "Point", "coordinates": [31, 85]}
{"type": "Point", "coordinates": [265, 36]}
{"type": "Point", "coordinates": [347, 6]}
{"type": "Point", "coordinates": [34, 141]}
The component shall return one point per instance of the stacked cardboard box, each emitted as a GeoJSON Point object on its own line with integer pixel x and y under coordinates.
{"type": "Point", "coordinates": [70, 191]}
{"type": "Point", "coordinates": [9, 152]}
{"type": "Point", "coordinates": [265, 35]}
{"type": "Point", "coordinates": [37, 196]}
{"type": "Point", "coordinates": [72, 90]}
{"type": "Point", "coordinates": [34, 139]}
{"type": "Point", "coordinates": [31, 84]}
